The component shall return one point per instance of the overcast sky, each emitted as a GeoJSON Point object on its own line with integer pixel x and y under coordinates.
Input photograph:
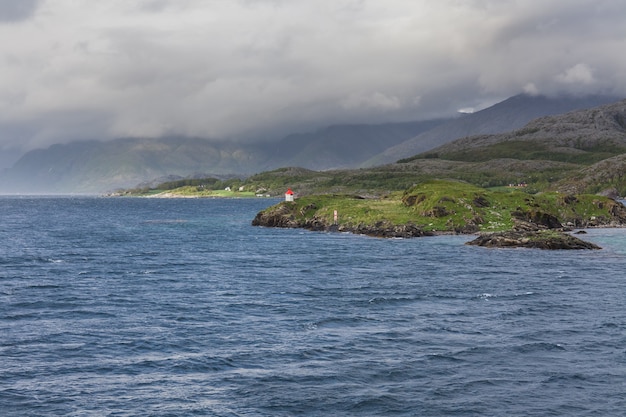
{"type": "Point", "coordinates": [245, 69]}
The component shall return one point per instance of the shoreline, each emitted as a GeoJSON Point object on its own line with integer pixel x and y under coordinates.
{"type": "Point", "coordinates": [167, 195]}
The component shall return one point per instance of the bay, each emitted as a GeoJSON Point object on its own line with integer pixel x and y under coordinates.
{"type": "Point", "coordinates": [179, 307]}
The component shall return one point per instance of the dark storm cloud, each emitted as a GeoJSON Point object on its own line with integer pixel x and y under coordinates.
{"type": "Point", "coordinates": [249, 69]}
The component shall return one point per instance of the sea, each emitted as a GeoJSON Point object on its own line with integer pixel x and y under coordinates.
{"type": "Point", "coordinates": [179, 307]}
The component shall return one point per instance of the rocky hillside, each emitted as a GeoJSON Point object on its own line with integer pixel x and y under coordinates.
{"type": "Point", "coordinates": [580, 151]}
{"type": "Point", "coordinates": [607, 177]}
{"type": "Point", "coordinates": [583, 136]}
{"type": "Point", "coordinates": [506, 116]}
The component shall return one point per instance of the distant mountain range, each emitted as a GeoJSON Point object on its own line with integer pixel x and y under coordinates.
{"type": "Point", "coordinates": [344, 146]}
{"type": "Point", "coordinates": [505, 116]}
{"type": "Point", "coordinates": [95, 167]}
{"type": "Point", "coordinates": [570, 137]}
{"type": "Point", "coordinates": [582, 151]}
{"type": "Point", "coordinates": [594, 139]}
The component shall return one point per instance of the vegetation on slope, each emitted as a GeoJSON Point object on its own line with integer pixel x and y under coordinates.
{"type": "Point", "coordinates": [607, 176]}
{"type": "Point", "coordinates": [579, 152]}
{"type": "Point", "coordinates": [528, 150]}
{"type": "Point", "coordinates": [537, 175]}
{"type": "Point", "coordinates": [445, 206]}
{"type": "Point", "coordinates": [190, 187]}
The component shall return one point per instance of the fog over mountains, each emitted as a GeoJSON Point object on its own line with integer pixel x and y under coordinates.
{"type": "Point", "coordinates": [96, 167]}
{"type": "Point", "coordinates": [505, 116]}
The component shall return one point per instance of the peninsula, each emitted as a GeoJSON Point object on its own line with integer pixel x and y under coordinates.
{"type": "Point", "coordinates": [509, 217]}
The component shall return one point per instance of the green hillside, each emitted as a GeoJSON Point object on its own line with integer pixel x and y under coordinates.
{"type": "Point", "coordinates": [445, 206]}
{"type": "Point", "coordinates": [578, 152]}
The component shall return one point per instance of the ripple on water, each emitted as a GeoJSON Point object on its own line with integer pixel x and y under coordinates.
{"type": "Point", "coordinates": [109, 311]}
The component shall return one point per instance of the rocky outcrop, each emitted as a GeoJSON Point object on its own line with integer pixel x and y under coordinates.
{"type": "Point", "coordinates": [286, 215]}
{"type": "Point", "coordinates": [281, 215]}
{"type": "Point", "coordinates": [532, 239]}
{"type": "Point", "coordinates": [537, 218]}
{"type": "Point", "coordinates": [386, 230]}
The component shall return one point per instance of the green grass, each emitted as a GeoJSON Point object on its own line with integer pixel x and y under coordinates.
{"type": "Point", "coordinates": [449, 206]}
{"type": "Point", "coordinates": [353, 211]}
{"type": "Point", "coordinates": [531, 150]}
{"type": "Point", "coordinates": [195, 191]}
{"type": "Point", "coordinates": [509, 149]}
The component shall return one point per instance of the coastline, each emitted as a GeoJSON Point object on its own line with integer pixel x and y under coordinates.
{"type": "Point", "coordinates": [166, 195]}
{"type": "Point", "coordinates": [546, 221]}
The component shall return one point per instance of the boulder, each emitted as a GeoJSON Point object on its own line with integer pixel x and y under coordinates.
{"type": "Point", "coordinates": [539, 218]}
{"type": "Point", "coordinates": [387, 230]}
{"type": "Point", "coordinates": [281, 215]}
{"type": "Point", "coordinates": [537, 239]}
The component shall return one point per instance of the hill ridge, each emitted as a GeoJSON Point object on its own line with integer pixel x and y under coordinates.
{"type": "Point", "coordinates": [510, 114]}
{"type": "Point", "coordinates": [97, 167]}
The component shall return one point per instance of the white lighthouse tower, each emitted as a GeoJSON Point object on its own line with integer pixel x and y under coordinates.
{"type": "Point", "coordinates": [289, 195]}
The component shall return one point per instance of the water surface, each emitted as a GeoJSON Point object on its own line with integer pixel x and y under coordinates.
{"type": "Point", "coordinates": [180, 307]}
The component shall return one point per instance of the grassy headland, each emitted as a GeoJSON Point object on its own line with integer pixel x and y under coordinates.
{"type": "Point", "coordinates": [444, 207]}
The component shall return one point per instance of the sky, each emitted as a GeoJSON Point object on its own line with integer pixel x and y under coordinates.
{"type": "Point", "coordinates": [259, 69]}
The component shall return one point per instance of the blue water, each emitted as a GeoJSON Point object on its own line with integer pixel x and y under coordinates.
{"type": "Point", "coordinates": [127, 307]}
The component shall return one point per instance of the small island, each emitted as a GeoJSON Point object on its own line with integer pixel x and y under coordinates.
{"type": "Point", "coordinates": [510, 218]}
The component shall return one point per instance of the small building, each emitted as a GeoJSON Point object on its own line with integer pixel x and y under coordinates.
{"type": "Point", "coordinates": [289, 195]}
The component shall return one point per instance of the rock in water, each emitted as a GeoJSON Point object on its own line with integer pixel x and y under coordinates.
{"type": "Point", "coordinates": [542, 239]}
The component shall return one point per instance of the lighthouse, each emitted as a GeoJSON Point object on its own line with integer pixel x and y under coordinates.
{"type": "Point", "coordinates": [289, 195]}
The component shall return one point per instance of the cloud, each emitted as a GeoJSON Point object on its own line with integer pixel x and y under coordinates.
{"type": "Point", "coordinates": [17, 10]}
{"type": "Point", "coordinates": [578, 74]}
{"type": "Point", "coordinates": [377, 101]}
{"type": "Point", "coordinates": [467, 110]}
{"type": "Point", "coordinates": [531, 89]}
{"type": "Point", "coordinates": [254, 69]}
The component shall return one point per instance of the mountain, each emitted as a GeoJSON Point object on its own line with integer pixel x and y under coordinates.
{"type": "Point", "coordinates": [582, 151]}
{"type": "Point", "coordinates": [505, 116]}
{"type": "Point", "coordinates": [607, 177]}
{"type": "Point", "coordinates": [581, 136]}
{"type": "Point", "coordinates": [344, 146]}
{"type": "Point", "coordinates": [95, 167]}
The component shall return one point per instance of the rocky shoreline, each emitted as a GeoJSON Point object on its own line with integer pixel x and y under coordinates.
{"type": "Point", "coordinates": [282, 216]}
{"type": "Point", "coordinates": [539, 232]}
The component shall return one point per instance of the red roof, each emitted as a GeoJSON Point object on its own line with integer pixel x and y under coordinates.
{"type": "Point", "coordinates": [289, 192]}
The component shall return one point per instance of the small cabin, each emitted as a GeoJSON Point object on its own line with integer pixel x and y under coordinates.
{"type": "Point", "coordinates": [289, 195]}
